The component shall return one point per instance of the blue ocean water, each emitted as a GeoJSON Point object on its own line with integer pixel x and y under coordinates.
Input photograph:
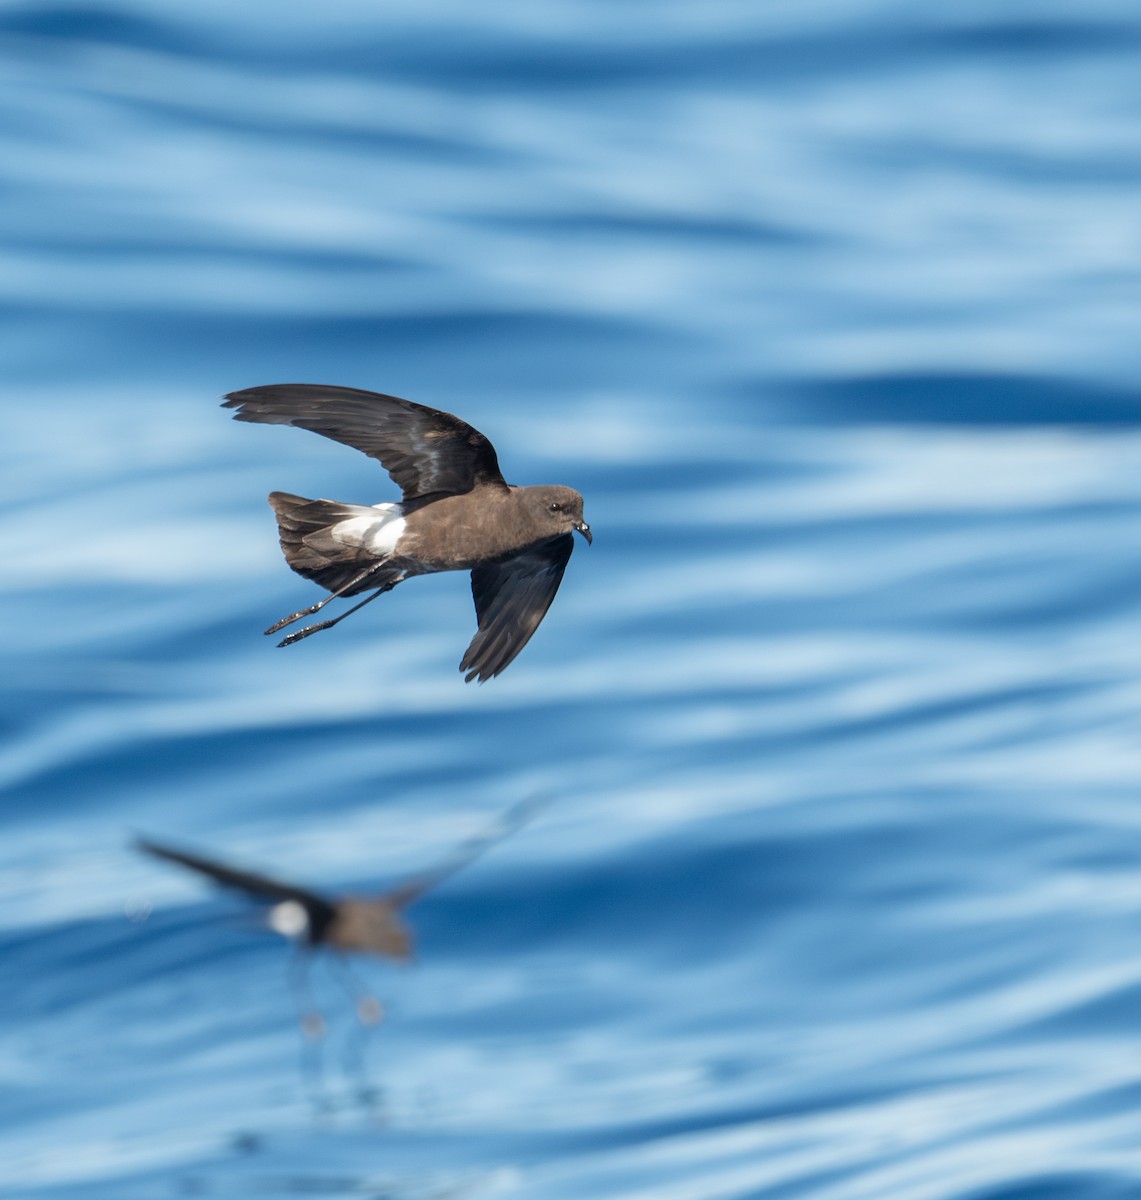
{"type": "Point", "coordinates": [830, 310]}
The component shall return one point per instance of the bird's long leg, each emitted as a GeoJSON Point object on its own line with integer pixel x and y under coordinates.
{"type": "Point", "coordinates": [310, 629]}
{"type": "Point", "coordinates": [367, 1007]}
{"type": "Point", "coordinates": [370, 1013]}
{"type": "Point", "coordinates": [308, 612]}
{"type": "Point", "coordinates": [312, 1028]}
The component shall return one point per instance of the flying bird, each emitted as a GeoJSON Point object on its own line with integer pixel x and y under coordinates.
{"type": "Point", "coordinates": [369, 924]}
{"type": "Point", "coordinates": [457, 513]}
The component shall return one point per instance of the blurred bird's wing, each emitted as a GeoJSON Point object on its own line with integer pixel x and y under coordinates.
{"type": "Point", "coordinates": [511, 598]}
{"type": "Point", "coordinates": [260, 887]}
{"type": "Point", "coordinates": [467, 852]}
{"type": "Point", "coordinates": [425, 450]}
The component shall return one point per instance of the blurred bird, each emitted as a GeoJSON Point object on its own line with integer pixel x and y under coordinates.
{"type": "Point", "coordinates": [352, 924]}
{"type": "Point", "coordinates": [345, 925]}
{"type": "Point", "coordinates": [457, 514]}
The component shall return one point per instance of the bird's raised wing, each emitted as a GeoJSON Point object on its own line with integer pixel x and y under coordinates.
{"type": "Point", "coordinates": [426, 451]}
{"type": "Point", "coordinates": [511, 598]}
{"type": "Point", "coordinates": [504, 826]}
{"type": "Point", "coordinates": [260, 887]}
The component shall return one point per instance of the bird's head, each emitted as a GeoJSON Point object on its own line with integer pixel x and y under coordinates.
{"type": "Point", "coordinates": [560, 509]}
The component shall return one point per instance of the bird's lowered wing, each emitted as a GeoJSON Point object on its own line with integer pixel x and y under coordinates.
{"type": "Point", "coordinates": [425, 450]}
{"type": "Point", "coordinates": [511, 598]}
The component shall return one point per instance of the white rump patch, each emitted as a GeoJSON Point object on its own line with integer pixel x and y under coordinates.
{"type": "Point", "coordinates": [289, 918]}
{"type": "Point", "coordinates": [376, 530]}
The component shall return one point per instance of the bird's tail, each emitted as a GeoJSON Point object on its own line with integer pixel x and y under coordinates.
{"type": "Point", "coordinates": [306, 531]}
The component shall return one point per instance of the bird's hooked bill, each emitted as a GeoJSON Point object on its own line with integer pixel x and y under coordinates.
{"type": "Point", "coordinates": [584, 529]}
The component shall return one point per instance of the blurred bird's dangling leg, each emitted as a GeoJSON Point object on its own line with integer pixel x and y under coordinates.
{"type": "Point", "coordinates": [312, 1026]}
{"type": "Point", "coordinates": [369, 1013]}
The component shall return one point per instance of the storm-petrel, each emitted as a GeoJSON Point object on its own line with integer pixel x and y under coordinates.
{"type": "Point", "coordinates": [347, 925]}
{"type": "Point", "coordinates": [457, 514]}
{"type": "Point", "coordinates": [355, 924]}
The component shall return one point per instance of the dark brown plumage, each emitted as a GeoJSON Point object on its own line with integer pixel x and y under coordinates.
{"type": "Point", "coordinates": [457, 513]}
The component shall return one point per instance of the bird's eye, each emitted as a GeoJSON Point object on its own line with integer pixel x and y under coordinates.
{"type": "Point", "coordinates": [556, 508]}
